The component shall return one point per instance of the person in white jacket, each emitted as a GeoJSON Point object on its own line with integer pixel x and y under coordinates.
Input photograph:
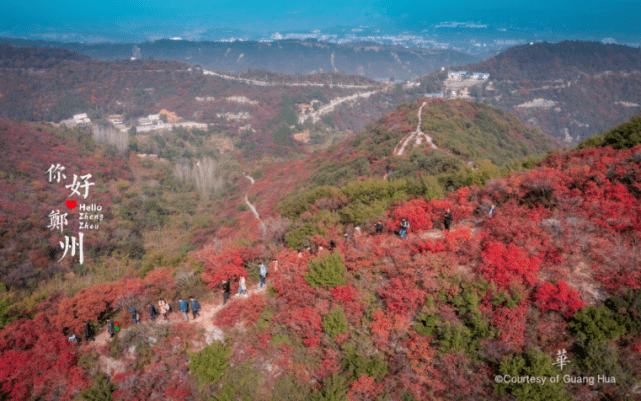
{"type": "Point", "coordinates": [242, 287]}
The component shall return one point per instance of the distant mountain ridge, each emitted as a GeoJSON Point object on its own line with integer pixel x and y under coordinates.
{"type": "Point", "coordinates": [571, 90]}
{"type": "Point", "coordinates": [284, 56]}
{"type": "Point", "coordinates": [567, 58]}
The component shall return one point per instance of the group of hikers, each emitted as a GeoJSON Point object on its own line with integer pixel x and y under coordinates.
{"type": "Point", "coordinates": [165, 308]}
{"type": "Point", "coordinates": [448, 218]}
{"type": "Point", "coordinates": [242, 285]}
{"type": "Point", "coordinates": [89, 334]}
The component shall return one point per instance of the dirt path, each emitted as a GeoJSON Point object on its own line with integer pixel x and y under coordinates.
{"type": "Point", "coordinates": [205, 321]}
{"type": "Point", "coordinates": [252, 208]}
{"type": "Point", "coordinates": [417, 136]}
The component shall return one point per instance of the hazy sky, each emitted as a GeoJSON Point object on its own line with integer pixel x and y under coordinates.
{"type": "Point", "coordinates": [130, 16]}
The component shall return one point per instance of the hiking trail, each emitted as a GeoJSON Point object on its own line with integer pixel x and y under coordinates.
{"type": "Point", "coordinates": [418, 136]}
{"type": "Point", "coordinates": [251, 207]}
{"type": "Point", "coordinates": [205, 321]}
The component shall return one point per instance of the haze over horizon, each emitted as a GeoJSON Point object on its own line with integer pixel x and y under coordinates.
{"type": "Point", "coordinates": [111, 21]}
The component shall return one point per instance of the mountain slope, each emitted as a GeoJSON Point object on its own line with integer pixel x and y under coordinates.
{"type": "Point", "coordinates": [258, 110]}
{"type": "Point", "coordinates": [484, 143]}
{"type": "Point", "coordinates": [437, 315]}
{"type": "Point", "coordinates": [570, 90]}
{"type": "Point", "coordinates": [283, 56]}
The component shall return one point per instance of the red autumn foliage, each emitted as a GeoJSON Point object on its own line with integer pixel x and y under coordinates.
{"type": "Point", "coordinates": [387, 327]}
{"type": "Point", "coordinates": [401, 296]}
{"type": "Point", "coordinates": [244, 311]}
{"type": "Point", "coordinates": [329, 363]}
{"type": "Point", "coordinates": [307, 323]}
{"type": "Point", "coordinates": [364, 388]}
{"type": "Point", "coordinates": [505, 265]}
{"type": "Point", "coordinates": [344, 293]}
{"type": "Point", "coordinates": [512, 323]}
{"type": "Point", "coordinates": [226, 263]}
{"type": "Point", "coordinates": [458, 371]}
{"type": "Point", "coordinates": [561, 298]}
{"type": "Point", "coordinates": [416, 213]}
{"type": "Point", "coordinates": [92, 303]}
{"type": "Point", "coordinates": [166, 377]}
{"type": "Point", "coordinates": [37, 362]}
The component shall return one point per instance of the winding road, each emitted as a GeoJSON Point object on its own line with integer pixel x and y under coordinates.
{"type": "Point", "coordinates": [316, 115]}
{"type": "Point", "coordinates": [265, 83]}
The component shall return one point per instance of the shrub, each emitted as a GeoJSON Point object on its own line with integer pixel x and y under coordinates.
{"type": "Point", "coordinates": [561, 298]}
{"type": "Point", "coordinates": [335, 322]}
{"type": "Point", "coordinates": [327, 271]}
{"type": "Point", "coordinates": [210, 363]}
{"type": "Point", "coordinates": [594, 324]}
{"type": "Point", "coordinates": [298, 237]}
{"type": "Point", "coordinates": [334, 389]}
{"type": "Point", "coordinates": [505, 265]}
{"type": "Point", "coordinates": [357, 364]}
{"type": "Point", "coordinates": [535, 364]}
{"type": "Point", "coordinates": [101, 390]}
{"type": "Point", "coordinates": [627, 310]}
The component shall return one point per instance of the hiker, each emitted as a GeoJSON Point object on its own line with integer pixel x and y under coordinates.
{"type": "Point", "coordinates": [379, 227]}
{"type": "Point", "coordinates": [275, 263]}
{"type": "Point", "coordinates": [263, 274]}
{"type": "Point", "coordinates": [405, 226]}
{"type": "Point", "coordinates": [164, 308]}
{"type": "Point", "coordinates": [346, 235]}
{"type": "Point", "coordinates": [491, 211]}
{"type": "Point", "coordinates": [110, 328]}
{"type": "Point", "coordinates": [226, 291]}
{"type": "Point", "coordinates": [357, 232]}
{"type": "Point", "coordinates": [72, 339]}
{"type": "Point", "coordinates": [88, 332]}
{"type": "Point", "coordinates": [448, 219]}
{"type": "Point", "coordinates": [332, 245]}
{"type": "Point", "coordinates": [184, 308]}
{"type": "Point", "coordinates": [242, 287]}
{"type": "Point", "coordinates": [152, 312]}
{"type": "Point", "coordinates": [195, 307]}
{"type": "Point", "coordinates": [135, 316]}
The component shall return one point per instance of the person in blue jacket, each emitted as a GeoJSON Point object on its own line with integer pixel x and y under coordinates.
{"type": "Point", "coordinates": [153, 313]}
{"type": "Point", "coordinates": [263, 274]}
{"type": "Point", "coordinates": [184, 308]}
{"type": "Point", "coordinates": [195, 307]}
{"type": "Point", "coordinates": [134, 315]}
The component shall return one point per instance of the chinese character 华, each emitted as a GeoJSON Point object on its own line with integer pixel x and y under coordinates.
{"type": "Point", "coordinates": [561, 359]}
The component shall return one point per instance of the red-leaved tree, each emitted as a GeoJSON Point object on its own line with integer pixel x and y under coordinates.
{"type": "Point", "coordinates": [37, 362]}
{"type": "Point", "coordinates": [560, 297]}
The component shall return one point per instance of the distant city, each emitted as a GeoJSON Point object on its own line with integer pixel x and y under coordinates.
{"type": "Point", "coordinates": [476, 39]}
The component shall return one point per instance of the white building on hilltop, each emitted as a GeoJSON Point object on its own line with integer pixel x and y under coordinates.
{"type": "Point", "coordinates": [456, 74]}
{"type": "Point", "coordinates": [81, 119]}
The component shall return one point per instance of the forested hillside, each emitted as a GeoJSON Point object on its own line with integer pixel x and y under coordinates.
{"type": "Point", "coordinates": [435, 316]}
{"type": "Point", "coordinates": [281, 56]}
{"type": "Point", "coordinates": [570, 90]}
{"type": "Point", "coordinates": [42, 85]}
